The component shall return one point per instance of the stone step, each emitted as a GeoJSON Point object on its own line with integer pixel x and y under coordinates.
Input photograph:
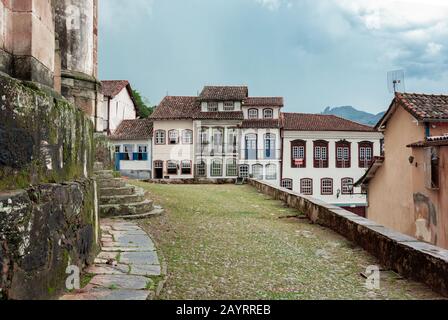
{"type": "Point", "coordinates": [98, 166]}
{"type": "Point", "coordinates": [113, 210]}
{"type": "Point", "coordinates": [104, 174]}
{"type": "Point", "coordinates": [123, 191]}
{"type": "Point", "coordinates": [111, 183]}
{"type": "Point", "coordinates": [133, 198]}
{"type": "Point", "coordinates": [154, 213]}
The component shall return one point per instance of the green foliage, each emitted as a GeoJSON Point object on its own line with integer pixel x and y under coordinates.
{"type": "Point", "coordinates": [143, 105]}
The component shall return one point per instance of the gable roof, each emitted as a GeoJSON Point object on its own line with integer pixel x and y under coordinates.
{"type": "Point", "coordinates": [263, 102]}
{"type": "Point", "coordinates": [320, 122]}
{"type": "Point", "coordinates": [423, 107]}
{"type": "Point", "coordinates": [138, 129]}
{"type": "Point", "coordinates": [176, 107]}
{"type": "Point", "coordinates": [110, 88]}
{"type": "Point", "coordinates": [223, 93]}
{"type": "Point", "coordinates": [370, 173]}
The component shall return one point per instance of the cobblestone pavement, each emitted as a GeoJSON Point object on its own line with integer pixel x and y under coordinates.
{"type": "Point", "coordinates": [127, 268]}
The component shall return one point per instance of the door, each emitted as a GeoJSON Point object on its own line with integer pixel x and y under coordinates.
{"type": "Point", "coordinates": [251, 147]}
{"type": "Point", "coordinates": [158, 170]}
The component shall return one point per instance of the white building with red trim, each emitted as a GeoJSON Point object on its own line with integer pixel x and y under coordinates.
{"type": "Point", "coordinates": [323, 155]}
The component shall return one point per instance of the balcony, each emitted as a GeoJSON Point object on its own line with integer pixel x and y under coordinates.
{"type": "Point", "coordinates": [132, 156]}
{"type": "Point", "coordinates": [216, 150]}
{"type": "Point", "coordinates": [260, 154]}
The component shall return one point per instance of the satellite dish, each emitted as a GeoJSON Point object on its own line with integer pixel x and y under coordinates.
{"type": "Point", "coordinates": [395, 81]}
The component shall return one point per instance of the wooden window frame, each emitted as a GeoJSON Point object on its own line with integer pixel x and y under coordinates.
{"type": "Point", "coordinates": [158, 164]}
{"type": "Point", "coordinates": [168, 168]}
{"type": "Point", "coordinates": [234, 163]}
{"type": "Point", "coordinates": [177, 137]}
{"type": "Point", "coordinates": [302, 187]}
{"type": "Point", "coordinates": [322, 187]}
{"type": "Point", "coordinates": [182, 167]}
{"type": "Point", "coordinates": [289, 181]}
{"type": "Point", "coordinates": [363, 163]}
{"type": "Point", "coordinates": [184, 136]}
{"type": "Point", "coordinates": [247, 167]}
{"type": "Point", "coordinates": [163, 132]}
{"type": "Point", "coordinates": [341, 162]}
{"type": "Point", "coordinates": [321, 163]}
{"type": "Point", "coordinates": [212, 106]}
{"type": "Point", "coordinates": [229, 106]}
{"type": "Point", "coordinates": [214, 161]}
{"type": "Point", "coordinates": [251, 117]}
{"type": "Point", "coordinates": [200, 167]}
{"type": "Point", "coordinates": [342, 185]}
{"type": "Point", "coordinates": [264, 113]}
{"type": "Point", "coordinates": [298, 144]}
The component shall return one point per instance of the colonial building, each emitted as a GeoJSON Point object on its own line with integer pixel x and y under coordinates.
{"type": "Point", "coordinates": [323, 155]}
{"type": "Point", "coordinates": [221, 134]}
{"type": "Point", "coordinates": [133, 145]}
{"type": "Point", "coordinates": [118, 104]}
{"type": "Point", "coordinates": [407, 185]}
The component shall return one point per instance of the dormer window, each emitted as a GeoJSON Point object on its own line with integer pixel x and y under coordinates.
{"type": "Point", "coordinates": [268, 114]}
{"type": "Point", "coordinates": [212, 106]}
{"type": "Point", "coordinates": [229, 106]}
{"type": "Point", "coordinates": [253, 114]}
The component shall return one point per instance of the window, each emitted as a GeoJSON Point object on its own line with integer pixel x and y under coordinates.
{"type": "Point", "coordinates": [251, 147]}
{"type": "Point", "coordinates": [271, 172]}
{"type": "Point", "coordinates": [160, 137]}
{"type": "Point", "coordinates": [232, 168]}
{"type": "Point", "coordinates": [343, 158]}
{"type": "Point", "coordinates": [253, 113]}
{"type": "Point", "coordinates": [306, 186]}
{"type": "Point", "coordinates": [186, 167]}
{"type": "Point", "coordinates": [269, 146]}
{"type": "Point", "coordinates": [187, 137]}
{"type": "Point", "coordinates": [365, 154]}
{"type": "Point", "coordinates": [287, 184]}
{"type": "Point", "coordinates": [268, 114]}
{"type": "Point", "coordinates": [212, 106]}
{"type": "Point", "coordinates": [117, 149]}
{"type": "Point", "coordinates": [201, 169]}
{"type": "Point", "coordinates": [171, 167]}
{"type": "Point", "coordinates": [257, 171]}
{"type": "Point", "coordinates": [216, 168]}
{"type": "Point", "coordinates": [142, 154]}
{"type": "Point", "coordinates": [229, 106]}
{"type": "Point", "coordinates": [244, 171]}
{"type": "Point", "coordinates": [232, 140]}
{"type": "Point", "coordinates": [298, 154]}
{"type": "Point", "coordinates": [128, 152]}
{"type": "Point", "coordinates": [173, 137]}
{"type": "Point", "coordinates": [432, 168]}
{"type": "Point", "coordinates": [327, 186]}
{"type": "Point", "coordinates": [218, 140]}
{"type": "Point", "coordinates": [347, 186]}
{"type": "Point", "coordinates": [158, 164]}
{"type": "Point", "coordinates": [320, 154]}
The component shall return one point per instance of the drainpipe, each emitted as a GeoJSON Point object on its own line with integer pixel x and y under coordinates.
{"type": "Point", "coordinates": [108, 115]}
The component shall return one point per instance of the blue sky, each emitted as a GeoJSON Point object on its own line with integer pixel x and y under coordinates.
{"type": "Point", "coordinates": [314, 53]}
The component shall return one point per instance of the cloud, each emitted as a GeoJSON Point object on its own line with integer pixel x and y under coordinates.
{"type": "Point", "coordinates": [115, 13]}
{"type": "Point", "coordinates": [270, 4]}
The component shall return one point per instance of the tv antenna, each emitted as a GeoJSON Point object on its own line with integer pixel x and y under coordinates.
{"type": "Point", "coordinates": [395, 81]}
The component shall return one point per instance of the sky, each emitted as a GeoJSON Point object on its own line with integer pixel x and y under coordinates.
{"type": "Point", "coordinates": [314, 53]}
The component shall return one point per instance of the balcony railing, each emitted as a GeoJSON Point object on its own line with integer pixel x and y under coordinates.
{"type": "Point", "coordinates": [216, 150]}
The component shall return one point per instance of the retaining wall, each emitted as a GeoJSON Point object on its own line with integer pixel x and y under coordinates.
{"type": "Point", "coordinates": [406, 255]}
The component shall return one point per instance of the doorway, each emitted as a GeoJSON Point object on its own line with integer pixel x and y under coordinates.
{"type": "Point", "coordinates": [158, 170]}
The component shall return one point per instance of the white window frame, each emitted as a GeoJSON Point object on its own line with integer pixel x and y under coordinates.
{"type": "Point", "coordinates": [271, 172]}
{"type": "Point", "coordinates": [216, 168]}
{"type": "Point", "coordinates": [258, 175]}
{"type": "Point", "coordinates": [229, 106]}
{"type": "Point", "coordinates": [212, 106]}
{"type": "Point", "coordinates": [298, 152]}
{"type": "Point", "coordinates": [160, 137]}
{"type": "Point", "coordinates": [268, 113]}
{"type": "Point", "coordinates": [287, 184]}
{"type": "Point", "coordinates": [187, 136]}
{"type": "Point", "coordinates": [251, 115]}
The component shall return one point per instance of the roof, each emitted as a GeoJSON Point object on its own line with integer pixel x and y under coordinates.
{"type": "Point", "coordinates": [263, 102]}
{"type": "Point", "coordinates": [110, 88]}
{"type": "Point", "coordinates": [431, 142]}
{"type": "Point", "coordinates": [176, 107]}
{"type": "Point", "coordinates": [423, 107]}
{"type": "Point", "coordinates": [261, 124]}
{"type": "Point", "coordinates": [138, 129]}
{"type": "Point", "coordinates": [320, 122]}
{"type": "Point", "coordinates": [223, 115]}
{"type": "Point", "coordinates": [370, 173]}
{"type": "Point", "coordinates": [223, 93]}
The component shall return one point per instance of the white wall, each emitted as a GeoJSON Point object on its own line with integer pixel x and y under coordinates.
{"type": "Point", "coordinates": [237, 105]}
{"type": "Point", "coordinates": [121, 108]}
{"type": "Point", "coordinates": [178, 152]}
{"type": "Point", "coordinates": [337, 174]}
{"type": "Point", "coordinates": [260, 111]}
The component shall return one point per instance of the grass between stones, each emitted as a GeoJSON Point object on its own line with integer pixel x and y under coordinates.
{"type": "Point", "coordinates": [231, 242]}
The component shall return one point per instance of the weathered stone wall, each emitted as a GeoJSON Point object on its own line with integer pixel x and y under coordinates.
{"type": "Point", "coordinates": [104, 151]}
{"type": "Point", "coordinates": [42, 231]}
{"type": "Point", "coordinates": [406, 255]}
{"type": "Point", "coordinates": [42, 137]}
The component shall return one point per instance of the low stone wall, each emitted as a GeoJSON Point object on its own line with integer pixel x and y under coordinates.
{"type": "Point", "coordinates": [409, 257]}
{"type": "Point", "coordinates": [43, 230]}
{"type": "Point", "coordinates": [193, 181]}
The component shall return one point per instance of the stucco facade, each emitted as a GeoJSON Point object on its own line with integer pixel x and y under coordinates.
{"type": "Point", "coordinates": [308, 171]}
{"type": "Point", "coordinates": [114, 110]}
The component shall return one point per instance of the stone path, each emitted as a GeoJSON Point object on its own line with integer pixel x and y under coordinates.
{"type": "Point", "coordinates": [126, 268]}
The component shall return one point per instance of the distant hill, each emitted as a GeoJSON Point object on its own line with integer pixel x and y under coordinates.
{"type": "Point", "coordinates": [350, 113]}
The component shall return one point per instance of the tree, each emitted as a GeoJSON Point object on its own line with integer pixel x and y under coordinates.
{"type": "Point", "coordinates": [143, 105]}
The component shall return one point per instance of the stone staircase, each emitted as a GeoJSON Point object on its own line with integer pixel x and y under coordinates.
{"type": "Point", "coordinates": [122, 201]}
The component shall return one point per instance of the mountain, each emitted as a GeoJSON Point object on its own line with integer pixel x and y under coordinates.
{"type": "Point", "coordinates": [350, 113]}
